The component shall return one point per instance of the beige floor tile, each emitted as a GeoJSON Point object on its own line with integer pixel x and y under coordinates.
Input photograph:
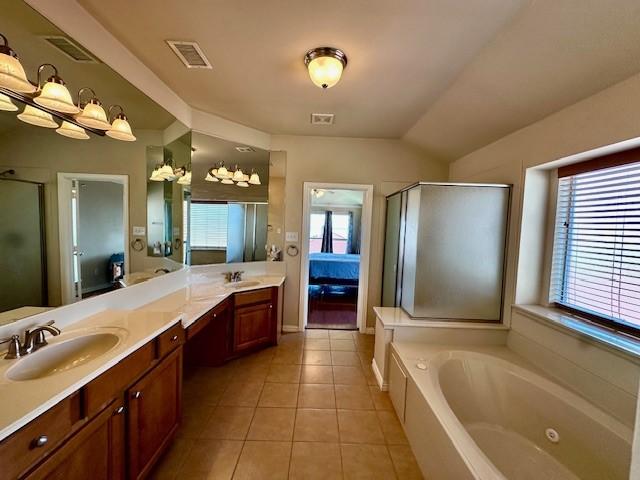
{"type": "Point", "coordinates": [170, 463]}
{"type": "Point", "coordinates": [370, 377]}
{"type": "Point", "coordinates": [202, 393]}
{"type": "Point", "coordinates": [283, 374]}
{"type": "Point", "coordinates": [228, 423]}
{"type": "Point", "coordinates": [241, 394]}
{"type": "Point", "coordinates": [316, 344]}
{"type": "Point", "coordinates": [353, 397]}
{"type": "Point", "coordinates": [405, 463]}
{"type": "Point", "coordinates": [343, 345]}
{"type": "Point", "coordinates": [392, 429]}
{"type": "Point", "coordinates": [316, 396]}
{"type": "Point", "coordinates": [272, 424]}
{"type": "Point", "coordinates": [348, 376]}
{"type": "Point", "coordinates": [316, 333]}
{"type": "Point", "coordinates": [365, 358]}
{"type": "Point", "coordinates": [340, 334]}
{"type": "Point", "coordinates": [359, 426]}
{"type": "Point", "coordinates": [251, 373]}
{"type": "Point", "coordinates": [346, 359]}
{"type": "Point", "coordinates": [366, 462]}
{"type": "Point", "coordinates": [263, 461]}
{"type": "Point", "coordinates": [211, 459]}
{"type": "Point", "coordinates": [316, 425]}
{"type": "Point", "coordinates": [316, 357]}
{"type": "Point", "coordinates": [381, 400]}
{"type": "Point", "coordinates": [279, 395]}
{"type": "Point", "coordinates": [316, 374]}
{"type": "Point", "coordinates": [291, 356]}
{"type": "Point", "coordinates": [315, 461]}
{"type": "Point", "coordinates": [194, 420]}
{"type": "Point", "coordinates": [289, 338]}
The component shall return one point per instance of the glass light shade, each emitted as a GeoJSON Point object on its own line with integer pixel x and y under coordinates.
{"type": "Point", "coordinates": [325, 72]}
{"type": "Point", "coordinates": [245, 178]}
{"type": "Point", "coordinates": [238, 176]}
{"type": "Point", "coordinates": [242, 184]}
{"type": "Point", "coordinates": [211, 178]}
{"type": "Point", "coordinates": [35, 116]}
{"type": "Point", "coordinates": [185, 179]}
{"type": "Point", "coordinates": [121, 130]}
{"type": "Point", "coordinates": [12, 75]}
{"type": "Point", "coordinates": [55, 96]}
{"type": "Point", "coordinates": [254, 179]}
{"type": "Point", "coordinates": [6, 104]}
{"type": "Point", "coordinates": [227, 181]}
{"type": "Point", "coordinates": [222, 172]}
{"type": "Point", "coordinates": [72, 131]}
{"type": "Point", "coordinates": [166, 172]}
{"type": "Point", "coordinates": [93, 116]}
{"type": "Point", "coordinates": [155, 175]}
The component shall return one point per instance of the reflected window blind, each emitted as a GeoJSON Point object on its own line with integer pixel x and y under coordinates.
{"type": "Point", "coordinates": [596, 254]}
{"type": "Point", "coordinates": [208, 225]}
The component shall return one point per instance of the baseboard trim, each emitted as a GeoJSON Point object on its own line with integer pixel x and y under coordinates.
{"type": "Point", "coordinates": [383, 386]}
{"type": "Point", "coordinates": [289, 328]}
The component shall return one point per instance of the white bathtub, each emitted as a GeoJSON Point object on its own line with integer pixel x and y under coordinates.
{"type": "Point", "coordinates": [487, 415]}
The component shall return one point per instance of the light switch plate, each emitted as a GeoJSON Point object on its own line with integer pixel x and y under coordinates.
{"type": "Point", "coordinates": [139, 231]}
{"type": "Point", "coordinates": [291, 236]}
{"type": "Point", "coordinates": [176, 231]}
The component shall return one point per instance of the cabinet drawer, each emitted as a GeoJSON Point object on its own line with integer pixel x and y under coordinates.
{"type": "Point", "coordinates": [252, 297]}
{"type": "Point", "coordinates": [38, 438]}
{"type": "Point", "coordinates": [171, 339]}
{"type": "Point", "coordinates": [109, 386]}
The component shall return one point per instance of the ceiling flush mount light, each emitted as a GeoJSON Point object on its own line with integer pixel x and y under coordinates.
{"type": "Point", "coordinates": [120, 128]}
{"type": "Point", "coordinates": [325, 65]}
{"type": "Point", "coordinates": [72, 131]}
{"type": "Point", "coordinates": [54, 93]}
{"type": "Point", "coordinates": [6, 104]}
{"type": "Point", "coordinates": [12, 74]}
{"type": "Point", "coordinates": [37, 117]}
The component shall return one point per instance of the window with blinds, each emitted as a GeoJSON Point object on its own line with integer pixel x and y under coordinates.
{"type": "Point", "coordinates": [596, 253]}
{"type": "Point", "coordinates": [208, 225]}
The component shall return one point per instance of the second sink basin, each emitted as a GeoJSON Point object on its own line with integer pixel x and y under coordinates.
{"type": "Point", "coordinates": [62, 356]}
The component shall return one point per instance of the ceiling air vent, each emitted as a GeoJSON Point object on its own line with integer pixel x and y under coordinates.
{"type": "Point", "coordinates": [322, 118]}
{"type": "Point", "coordinates": [245, 149]}
{"type": "Point", "coordinates": [71, 49]}
{"type": "Point", "coordinates": [190, 54]}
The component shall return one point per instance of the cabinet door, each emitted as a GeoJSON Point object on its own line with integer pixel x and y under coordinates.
{"type": "Point", "coordinates": [253, 326]}
{"type": "Point", "coordinates": [96, 451]}
{"type": "Point", "coordinates": [154, 413]}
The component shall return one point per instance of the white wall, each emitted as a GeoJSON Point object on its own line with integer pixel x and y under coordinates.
{"type": "Point", "coordinates": [385, 164]}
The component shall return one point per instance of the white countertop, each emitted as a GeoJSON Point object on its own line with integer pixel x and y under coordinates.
{"type": "Point", "coordinates": [22, 401]}
{"type": "Point", "coordinates": [394, 317]}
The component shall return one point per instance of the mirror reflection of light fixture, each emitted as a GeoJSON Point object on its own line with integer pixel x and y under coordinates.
{"type": "Point", "coordinates": [211, 176]}
{"type": "Point", "coordinates": [166, 172]}
{"type": "Point", "coordinates": [6, 104]}
{"type": "Point", "coordinates": [222, 172]}
{"type": "Point", "coordinates": [227, 181]}
{"type": "Point", "coordinates": [185, 179]}
{"type": "Point", "coordinates": [72, 131]}
{"type": "Point", "coordinates": [316, 192]}
{"type": "Point", "coordinates": [325, 66]}
{"type": "Point", "coordinates": [92, 114]}
{"type": "Point", "coordinates": [155, 175]}
{"type": "Point", "coordinates": [120, 128]}
{"type": "Point", "coordinates": [54, 93]}
{"type": "Point", "coordinates": [37, 117]}
{"type": "Point", "coordinates": [238, 176]}
{"type": "Point", "coordinates": [12, 75]}
{"type": "Point", "coordinates": [254, 179]}
{"type": "Point", "coordinates": [242, 184]}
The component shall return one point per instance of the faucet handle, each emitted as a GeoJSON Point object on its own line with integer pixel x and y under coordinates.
{"type": "Point", "coordinates": [14, 347]}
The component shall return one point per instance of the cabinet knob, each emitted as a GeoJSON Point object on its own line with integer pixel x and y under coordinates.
{"type": "Point", "coordinates": [136, 395]}
{"type": "Point", "coordinates": [119, 410]}
{"type": "Point", "coordinates": [270, 306]}
{"type": "Point", "coordinates": [215, 315]}
{"type": "Point", "coordinates": [174, 338]}
{"type": "Point", "coordinates": [40, 441]}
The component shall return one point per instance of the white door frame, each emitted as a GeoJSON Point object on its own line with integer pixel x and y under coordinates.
{"type": "Point", "coordinates": [65, 227]}
{"type": "Point", "coordinates": [365, 248]}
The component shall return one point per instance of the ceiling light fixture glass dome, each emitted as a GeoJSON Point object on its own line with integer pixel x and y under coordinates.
{"type": "Point", "coordinates": [254, 179]}
{"type": "Point", "coordinates": [12, 75]}
{"type": "Point", "coordinates": [6, 104]}
{"type": "Point", "coordinates": [54, 93]}
{"type": "Point", "coordinates": [227, 181]}
{"type": "Point", "coordinates": [92, 114]}
{"type": "Point", "coordinates": [120, 128]}
{"type": "Point", "coordinates": [325, 66]}
{"type": "Point", "coordinates": [37, 117]}
{"type": "Point", "coordinates": [211, 176]}
{"type": "Point", "coordinates": [70, 130]}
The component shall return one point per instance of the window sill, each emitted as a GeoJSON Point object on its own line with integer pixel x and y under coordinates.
{"type": "Point", "coordinates": [582, 328]}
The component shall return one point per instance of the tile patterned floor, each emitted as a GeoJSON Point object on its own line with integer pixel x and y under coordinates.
{"type": "Point", "coordinates": [306, 409]}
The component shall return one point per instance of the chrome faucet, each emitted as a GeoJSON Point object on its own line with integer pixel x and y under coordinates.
{"type": "Point", "coordinates": [34, 339]}
{"type": "Point", "coordinates": [233, 276]}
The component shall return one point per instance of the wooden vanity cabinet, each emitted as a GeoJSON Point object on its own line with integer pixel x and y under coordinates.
{"type": "Point", "coordinates": [254, 319]}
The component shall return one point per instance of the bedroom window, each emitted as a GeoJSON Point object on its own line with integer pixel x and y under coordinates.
{"type": "Point", "coordinates": [208, 225]}
{"type": "Point", "coordinates": [339, 232]}
{"type": "Point", "coordinates": [596, 252]}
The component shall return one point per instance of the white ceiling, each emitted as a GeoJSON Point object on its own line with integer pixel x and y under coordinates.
{"type": "Point", "coordinates": [449, 76]}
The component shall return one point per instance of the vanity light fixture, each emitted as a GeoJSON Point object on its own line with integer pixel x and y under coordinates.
{"type": "Point", "coordinates": [12, 75]}
{"type": "Point", "coordinates": [325, 66]}
{"type": "Point", "coordinates": [155, 175]}
{"type": "Point", "coordinates": [92, 114]}
{"type": "Point", "coordinates": [254, 179]}
{"type": "Point", "coordinates": [120, 128]}
{"type": "Point", "coordinates": [166, 172]}
{"type": "Point", "coordinates": [238, 176]}
{"type": "Point", "coordinates": [211, 175]}
{"type": "Point", "coordinates": [6, 104]}
{"type": "Point", "coordinates": [71, 130]}
{"type": "Point", "coordinates": [242, 184]}
{"type": "Point", "coordinates": [185, 179]}
{"type": "Point", "coordinates": [222, 172]}
{"type": "Point", "coordinates": [54, 93]}
{"type": "Point", "coordinates": [37, 117]}
{"type": "Point", "coordinates": [227, 181]}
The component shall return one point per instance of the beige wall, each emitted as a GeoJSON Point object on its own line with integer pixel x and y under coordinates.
{"type": "Point", "coordinates": [386, 164]}
{"type": "Point", "coordinates": [39, 154]}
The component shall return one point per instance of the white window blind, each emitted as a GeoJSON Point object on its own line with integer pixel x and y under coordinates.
{"type": "Point", "coordinates": [208, 225]}
{"type": "Point", "coordinates": [596, 254]}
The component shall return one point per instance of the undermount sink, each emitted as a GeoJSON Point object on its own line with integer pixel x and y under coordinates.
{"type": "Point", "coordinates": [242, 284]}
{"type": "Point", "coordinates": [62, 356]}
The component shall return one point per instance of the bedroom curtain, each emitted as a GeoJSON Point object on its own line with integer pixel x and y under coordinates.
{"type": "Point", "coordinates": [327, 233]}
{"type": "Point", "coordinates": [353, 240]}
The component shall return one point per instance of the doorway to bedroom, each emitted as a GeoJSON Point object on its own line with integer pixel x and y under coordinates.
{"type": "Point", "coordinates": [335, 240]}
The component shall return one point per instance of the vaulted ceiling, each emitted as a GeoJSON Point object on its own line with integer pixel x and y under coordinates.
{"type": "Point", "coordinates": [447, 76]}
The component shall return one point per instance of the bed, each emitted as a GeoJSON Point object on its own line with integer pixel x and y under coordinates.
{"type": "Point", "coordinates": [334, 268]}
